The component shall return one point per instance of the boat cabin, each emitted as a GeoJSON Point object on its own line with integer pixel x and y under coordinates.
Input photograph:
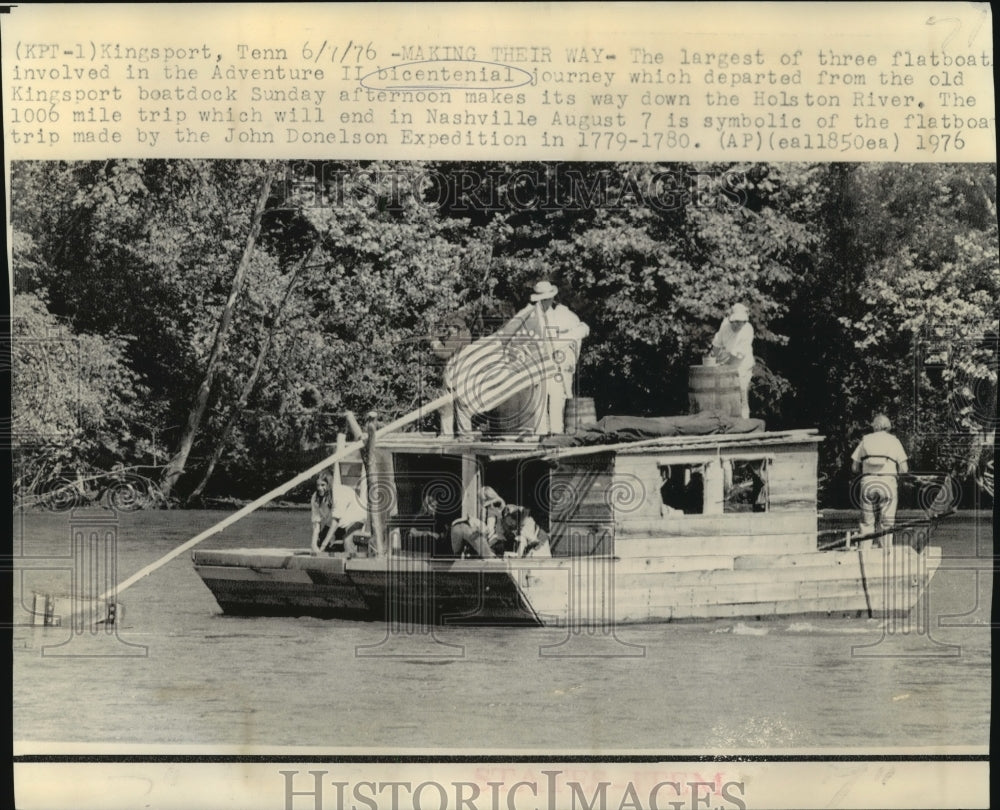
{"type": "Point", "coordinates": [732, 493]}
{"type": "Point", "coordinates": [650, 519]}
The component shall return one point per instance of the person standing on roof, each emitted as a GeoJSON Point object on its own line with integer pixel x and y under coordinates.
{"type": "Point", "coordinates": [564, 333]}
{"type": "Point", "coordinates": [453, 335]}
{"type": "Point", "coordinates": [880, 458]}
{"type": "Point", "coordinates": [733, 346]}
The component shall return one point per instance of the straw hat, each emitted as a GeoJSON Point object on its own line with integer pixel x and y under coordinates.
{"type": "Point", "coordinates": [543, 291]}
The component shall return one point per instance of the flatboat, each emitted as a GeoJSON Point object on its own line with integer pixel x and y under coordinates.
{"type": "Point", "coordinates": [655, 520]}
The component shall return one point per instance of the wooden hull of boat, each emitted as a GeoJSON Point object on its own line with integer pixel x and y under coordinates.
{"type": "Point", "coordinates": [579, 591]}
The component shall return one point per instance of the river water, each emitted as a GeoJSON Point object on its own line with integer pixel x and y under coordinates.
{"type": "Point", "coordinates": [180, 672]}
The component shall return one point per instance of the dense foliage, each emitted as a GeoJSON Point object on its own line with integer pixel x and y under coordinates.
{"type": "Point", "coordinates": [870, 287]}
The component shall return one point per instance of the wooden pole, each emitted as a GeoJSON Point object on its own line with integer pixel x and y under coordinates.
{"type": "Point", "coordinates": [341, 444]}
{"type": "Point", "coordinates": [375, 496]}
{"type": "Point", "coordinates": [356, 432]}
{"type": "Point", "coordinates": [266, 498]}
{"type": "Point", "coordinates": [864, 581]}
{"type": "Point", "coordinates": [852, 538]}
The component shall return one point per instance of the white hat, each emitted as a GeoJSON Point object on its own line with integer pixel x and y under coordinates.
{"type": "Point", "coordinates": [544, 290]}
{"type": "Point", "coordinates": [739, 313]}
{"type": "Point", "coordinates": [488, 496]}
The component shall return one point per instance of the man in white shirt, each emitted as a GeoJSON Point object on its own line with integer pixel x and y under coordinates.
{"type": "Point", "coordinates": [733, 346]}
{"type": "Point", "coordinates": [564, 333]}
{"type": "Point", "coordinates": [880, 458]}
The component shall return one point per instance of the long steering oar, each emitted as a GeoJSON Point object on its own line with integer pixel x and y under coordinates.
{"type": "Point", "coordinates": [413, 416]}
{"type": "Point", "coordinates": [894, 529]}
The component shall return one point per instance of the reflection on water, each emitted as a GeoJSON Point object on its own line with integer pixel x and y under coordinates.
{"type": "Point", "coordinates": [204, 678]}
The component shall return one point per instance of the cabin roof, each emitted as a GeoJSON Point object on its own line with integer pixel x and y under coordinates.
{"type": "Point", "coordinates": [452, 445]}
{"type": "Point", "coordinates": [510, 448]}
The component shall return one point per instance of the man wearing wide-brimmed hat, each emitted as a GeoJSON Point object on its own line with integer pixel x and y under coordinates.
{"type": "Point", "coordinates": [564, 335]}
{"type": "Point", "coordinates": [733, 346]}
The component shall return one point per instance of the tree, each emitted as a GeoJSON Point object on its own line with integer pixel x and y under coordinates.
{"type": "Point", "coordinates": [72, 399]}
{"type": "Point", "coordinates": [928, 300]}
{"type": "Point", "coordinates": [852, 273]}
{"type": "Point", "coordinates": [140, 250]}
{"type": "Point", "coordinates": [651, 256]}
{"type": "Point", "coordinates": [175, 467]}
{"type": "Point", "coordinates": [236, 409]}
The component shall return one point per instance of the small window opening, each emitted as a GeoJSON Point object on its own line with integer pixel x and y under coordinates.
{"type": "Point", "coordinates": [682, 489]}
{"type": "Point", "coordinates": [745, 485]}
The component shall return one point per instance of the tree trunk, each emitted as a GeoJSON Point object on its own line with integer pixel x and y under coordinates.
{"type": "Point", "coordinates": [175, 467]}
{"type": "Point", "coordinates": [251, 382]}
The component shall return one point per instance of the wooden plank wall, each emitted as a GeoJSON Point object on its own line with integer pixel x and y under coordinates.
{"type": "Point", "coordinates": [788, 527]}
{"type": "Point", "coordinates": [792, 476]}
{"type": "Point", "coordinates": [581, 492]}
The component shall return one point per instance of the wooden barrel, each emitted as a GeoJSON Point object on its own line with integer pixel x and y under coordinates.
{"type": "Point", "coordinates": [714, 388]}
{"type": "Point", "coordinates": [517, 413]}
{"type": "Point", "coordinates": [579, 411]}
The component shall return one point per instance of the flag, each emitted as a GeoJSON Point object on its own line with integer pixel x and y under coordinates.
{"type": "Point", "coordinates": [494, 368]}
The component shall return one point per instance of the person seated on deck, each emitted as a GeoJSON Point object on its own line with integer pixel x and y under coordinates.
{"type": "Point", "coordinates": [491, 507]}
{"type": "Point", "coordinates": [337, 514]}
{"type": "Point", "coordinates": [429, 531]}
{"type": "Point", "coordinates": [522, 532]}
{"type": "Point", "coordinates": [480, 536]}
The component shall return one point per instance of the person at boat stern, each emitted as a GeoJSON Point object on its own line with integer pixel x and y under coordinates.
{"type": "Point", "coordinates": [337, 513]}
{"type": "Point", "coordinates": [733, 346]}
{"type": "Point", "coordinates": [880, 459]}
